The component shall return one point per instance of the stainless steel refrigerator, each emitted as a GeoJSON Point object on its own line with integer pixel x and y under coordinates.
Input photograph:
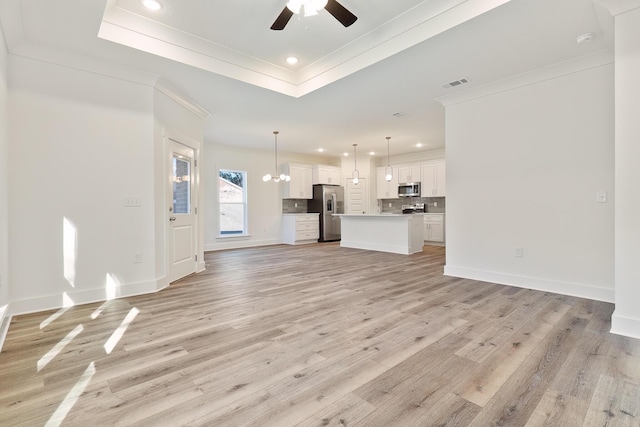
{"type": "Point", "coordinates": [328, 200]}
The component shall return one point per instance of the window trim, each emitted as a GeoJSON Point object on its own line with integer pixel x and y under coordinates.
{"type": "Point", "coordinates": [244, 203]}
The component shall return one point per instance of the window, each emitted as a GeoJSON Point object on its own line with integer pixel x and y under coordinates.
{"type": "Point", "coordinates": [181, 184]}
{"type": "Point", "coordinates": [233, 202]}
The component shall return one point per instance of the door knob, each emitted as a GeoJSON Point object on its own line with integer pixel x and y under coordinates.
{"type": "Point", "coordinates": [173, 218]}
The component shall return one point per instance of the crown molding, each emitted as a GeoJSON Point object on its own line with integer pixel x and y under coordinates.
{"type": "Point", "coordinates": [167, 88]}
{"type": "Point", "coordinates": [76, 61]}
{"type": "Point", "coordinates": [575, 65]}
{"type": "Point", "coordinates": [18, 46]}
{"type": "Point", "coordinates": [420, 23]}
{"type": "Point", "coordinates": [617, 7]}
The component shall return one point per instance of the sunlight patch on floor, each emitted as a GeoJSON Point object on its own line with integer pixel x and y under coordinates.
{"type": "Point", "coordinates": [51, 354]}
{"type": "Point", "coordinates": [119, 332]}
{"type": "Point", "coordinates": [67, 303]}
{"type": "Point", "coordinates": [72, 397]}
{"type": "Point", "coordinates": [98, 311]}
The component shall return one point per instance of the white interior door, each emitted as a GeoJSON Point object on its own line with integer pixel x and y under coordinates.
{"type": "Point", "coordinates": [181, 218]}
{"type": "Point", "coordinates": [357, 200]}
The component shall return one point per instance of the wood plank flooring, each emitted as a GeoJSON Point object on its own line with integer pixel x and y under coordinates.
{"type": "Point", "coordinates": [320, 335]}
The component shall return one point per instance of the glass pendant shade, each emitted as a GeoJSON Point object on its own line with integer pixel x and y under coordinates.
{"type": "Point", "coordinates": [311, 7]}
{"type": "Point", "coordinates": [388, 175]}
{"type": "Point", "coordinates": [276, 177]}
{"type": "Point", "coordinates": [355, 175]}
{"type": "Point", "coordinates": [388, 172]}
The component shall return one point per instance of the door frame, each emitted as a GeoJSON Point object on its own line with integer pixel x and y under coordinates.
{"type": "Point", "coordinates": [196, 196]}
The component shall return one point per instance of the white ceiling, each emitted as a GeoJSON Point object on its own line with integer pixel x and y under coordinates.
{"type": "Point", "coordinates": [349, 82]}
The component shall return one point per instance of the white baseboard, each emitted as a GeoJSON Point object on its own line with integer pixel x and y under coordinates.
{"type": "Point", "coordinates": [53, 302]}
{"type": "Point", "coordinates": [535, 283]}
{"type": "Point", "coordinates": [238, 244]}
{"type": "Point", "coordinates": [626, 326]}
{"type": "Point", "coordinates": [402, 250]}
{"type": "Point", "coordinates": [5, 320]}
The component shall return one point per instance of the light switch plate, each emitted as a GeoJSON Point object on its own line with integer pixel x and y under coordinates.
{"type": "Point", "coordinates": [131, 201]}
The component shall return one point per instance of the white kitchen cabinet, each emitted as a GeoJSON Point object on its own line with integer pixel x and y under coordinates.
{"type": "Point", "coordinates": [433, 179]}
{"type": "Point", "coordinates": [384, 189]}
{"type": "Point", "coordinates": [298, 229]}
{"type": "Point", "coordinates": [409, 173]}
{"type": "Point", "coordinates": [434, 227]}
{"type": "Point", "coordinates": [300, 186]}
{"type": "Point", "coordinates": [323, 174]}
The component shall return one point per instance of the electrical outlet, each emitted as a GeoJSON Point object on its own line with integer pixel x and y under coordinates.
{"type": "Point", "coordinates": [295, 205]}
{"type": "Point", "coordinates": [519, 252]}
{"type": "Point", "coordinates": [435, 204]}
{"type": "Point", "coordinates": [601, 197]}
{"type": "Point", "coordinates": [137, 258]}
{"type": "Point", "coordinates": [389, 204]}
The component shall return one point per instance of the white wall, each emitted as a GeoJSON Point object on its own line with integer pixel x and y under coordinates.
{"type": "Point", "coordinates": [79, 143]}
{"type": "Point", "coordinates": [264, 198]}
{"type": "Point", "coordinates": [523, 169]}
{"type": "Point", "coordinates": [626, 318]}
{"type": "Point", "coordinates": [4, 185]}
{"type": "Point", "coordinates": [178, 121]}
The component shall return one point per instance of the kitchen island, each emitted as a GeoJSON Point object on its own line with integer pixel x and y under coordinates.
{"type": "Point", "coordinates": [395, 233]}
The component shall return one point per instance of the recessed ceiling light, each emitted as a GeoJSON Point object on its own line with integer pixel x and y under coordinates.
{"type": "Point", "coordinates": [321, 150]}
{"type": "Point", "coordinates": [154, 5]}
{"type": "Point", "coordinates": [292, 60]}
{"type": "Point", "coordinates": [346, 154]}
{"type": "Point", "coordinates": [372, 153]}
{"type": "Point", "coordinates": [419, 145]}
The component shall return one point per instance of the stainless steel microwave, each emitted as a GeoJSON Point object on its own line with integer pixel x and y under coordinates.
{"type": "Point", "coordinates": [409, 189]}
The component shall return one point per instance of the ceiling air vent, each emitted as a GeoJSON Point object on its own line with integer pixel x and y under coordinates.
{"type": "Point", "coordinates": [456, 83]}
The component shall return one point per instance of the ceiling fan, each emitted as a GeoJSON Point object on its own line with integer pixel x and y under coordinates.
{"type": "Point", "coordinates": [311, 7]}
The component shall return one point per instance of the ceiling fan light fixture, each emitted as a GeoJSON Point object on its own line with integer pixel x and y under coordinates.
{"type": "Point", "coordinates": [311, 7]}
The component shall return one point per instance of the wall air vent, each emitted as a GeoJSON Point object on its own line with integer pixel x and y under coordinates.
{"type": "Point", "coordinates": [456, 83]}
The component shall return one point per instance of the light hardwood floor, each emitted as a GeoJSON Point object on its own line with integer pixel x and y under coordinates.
{"type": "Point", "coordinates": [323, 336]}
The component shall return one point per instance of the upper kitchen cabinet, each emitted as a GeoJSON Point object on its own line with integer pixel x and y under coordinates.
{"type": "Point", "coordinates": [386, 189]}
{"type": "Point", "coordinates": [409, 173]}
{"type": "Point", "coordinates": [300, 186]}
{"type": "Point", "coordinates": [323, 174]}
{"type": "Point", "coordinates": [433, 179]}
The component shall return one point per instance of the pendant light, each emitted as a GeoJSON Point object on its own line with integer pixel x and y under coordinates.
{"type": "Point", "coordinates": [276, 177]}
{"type": "Point", "coordinates": [355, 174]}
{"type": "Point", "coordinates": [388, 172]}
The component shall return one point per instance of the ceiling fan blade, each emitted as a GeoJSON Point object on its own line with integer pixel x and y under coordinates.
{"type": "Point", "coordinates": [341, 13]}
{"type": "Point", "coordinates": [282, 19]}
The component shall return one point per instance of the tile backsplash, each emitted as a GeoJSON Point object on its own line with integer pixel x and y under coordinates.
{"type": "Point", "coordinates": [294, 205]}
{"type": "Point", "coordinates": [429, 204]}
{"type": "Point", "coordinates": [300, 205]}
